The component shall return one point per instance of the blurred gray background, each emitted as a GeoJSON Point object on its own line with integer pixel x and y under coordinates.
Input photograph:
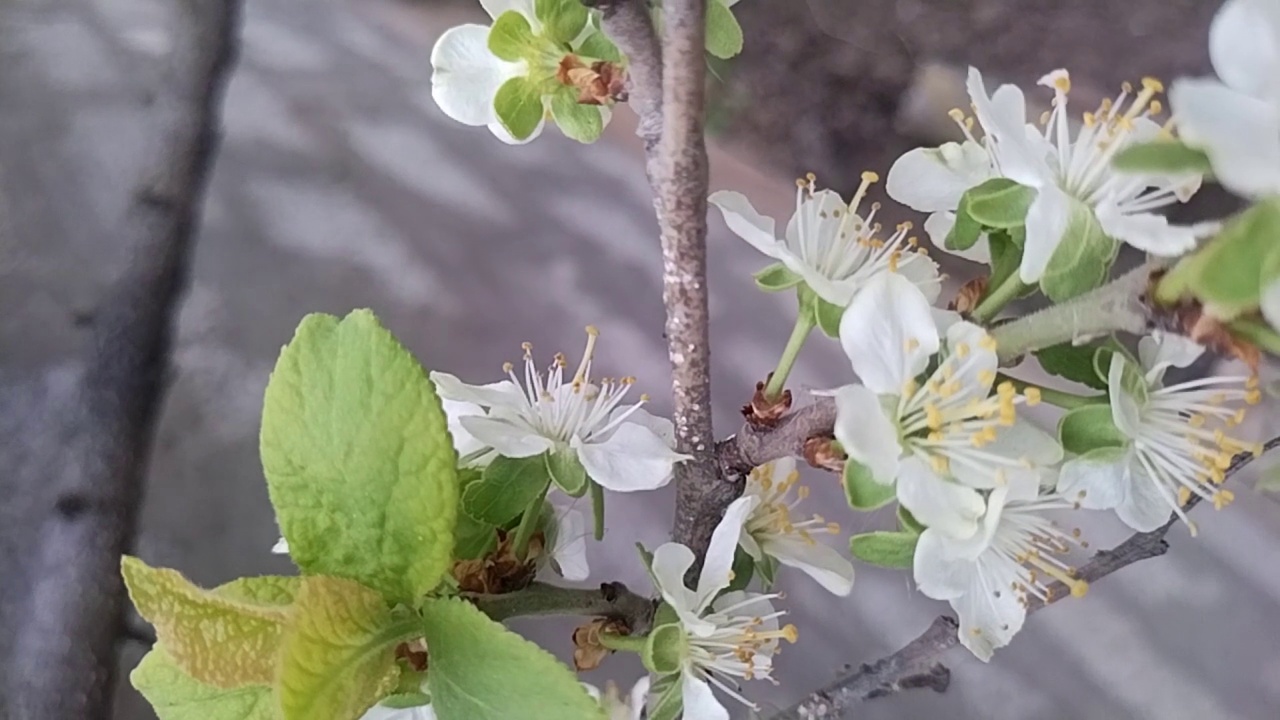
{"type": "Point", "coordinates": [341, 185]}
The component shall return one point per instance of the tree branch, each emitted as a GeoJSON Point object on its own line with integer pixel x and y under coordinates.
{"type": "Point", "coordinates": [87, 457]}
{"type": "Point", "coordinates": [610, 600]}
{"type": "Point", "coordinates": [916, 664]}
{"type": "Point", "coordinates": [752, 447]}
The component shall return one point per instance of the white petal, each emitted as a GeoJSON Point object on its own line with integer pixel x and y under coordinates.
{"type": "Point", "coordinates": [1047, 221]}
{"type": "Point", "coordinates": [1125, 411]}
{"type": "Point", "coordinates": [1021, 442]}
{"type": "Point", "coordinates": [819, 216]}
{"type": "Point", "coordinates": [1143, 508]}
{"type": "Point", "coordinates": [632, 458]}
{"type": "Point", "coordinates": [497, 7]}
{"type": "Point", "coordinates": [505, 437]}
{"type": "Point", "coordinates": [836, 292]}
{"type": "Point", "coordinates": [933, 179]}
{"type": "Point", "coordinates": [281, 547]}
{"type": "Point", "coordinates": [1148, 232]}
{"type": "Point", "coordinates": [1240, 133]}
{"type": "Point", "coordinates": [570, 551]}
{"type": "Point", "coordinates": [500, 131]}
{"type": "Point", "coordinates": [1101, 476]}
{"type": "Point", "coordinates": [888, 333]}
{"type": "Point", "coordinates": [699, 701]}
{"type": "Point", "coordinates": [741, 217]}
{"type": "Point", "coordinates": [989, 617]}
{"type": "Point", "coordinates": [938, 226]}
{"type": "Point", "coordinates": [938, 572]}
{"type": "Point", "coordinates": [866, 434]}
{"type": "Point", "coordinates": [975, 372]}
{"type": "Point", "coordinates": [660, 426]}
{"type": "Point", "coordinates": [1003, 117]}
{"type": "Point", "coordinates": [1161, 350]}
{"type": "Point", "coordinates": [922, 271]}
{"type": "Point", "coordinates": [818, 561]}
{"type": "Point", "coordinates": [1271, 304]}
{"type": "Point", "coordinates": [1244, 46]}
{"type": "Point", "coordinates": [749, 545]}
{"type": "Point", "coordinates": [717, 568]}
{"type": "Point", "coordinates": [466, 76]}
{"type": "Point", "coordinates": [463, 442]}
{"type": "Point", "coordinates": [638, 697]}
{"type": "Point", "coordinates": [499, 394]}
{"type": "Point", "coordinates": [670, 563]}
{"type": "Point", "coordinates": [943, 505]}
{"type": "Point", "coordinates": [382, 712]}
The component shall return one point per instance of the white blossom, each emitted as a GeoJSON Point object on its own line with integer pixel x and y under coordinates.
{"type": "Point", "coordinates": [630, 707]}
{"type": "Point", "coordinates": [1071, 174]}
{"type": "Point", "coordinates": [622, 447]}
{"type": "Point", "coordinates": [1235, 119]}
{"type": "Point", "coordinates": [989, 575]}
{"type": "Point", "coordinates": [1175, 444]}
{"type": "Point", "coordinates": [731, 636]}
{"type": "Point", "coordinates": [382, 712]}
{"type": "Point", "coordinates": [952, 422]}
{"type": "Point", "coordinates": [773, 530]}
{"type": "Point", "coordinates": [833, 248]}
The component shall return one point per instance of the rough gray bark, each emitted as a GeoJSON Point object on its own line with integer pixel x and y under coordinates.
{"type": "Point", "coordinates": [89, 454]}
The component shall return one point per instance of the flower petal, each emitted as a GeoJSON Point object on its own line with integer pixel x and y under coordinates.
{"type": "Point", "coordinates": [888, 333]}
{"type": "Point", "coordinates": [1245, 47]}
{"type": "Point", "coordinates": [818, 561]}
{"type": "Point", "coordinates": [745, 222]}
{"type": "Point", "coordinates": [922, 271]}
{"type": "Point", "coordinates": [699, 701]}
{"type": "Point", "coordinates": [941, 504]}
{"type": "Point", "coordinates": [933, 179]}
{"type": "Point", "coordinates": [463, 442]}
{"type": "Point", "coordinates": [637, 697]}
{"type": "Point", "coordinates": [500, 131]}
{"type": "Point", "coordinates": [670, 563]}
{"type": "Point", "coordinates": [989, 617]}
{"type": "Point", "coordinates": [717, 567]}
{"type": "Point", "coordinates": [632, 458]}
{"type": "Point", "coordinates": [1004, 118]}
{"type": "Point", "coordinates": [570, 551]}
{"type": "Point", "coordinates": [1047, 221]}
{"type": "Point", "coordinates": [972, 369]}
{"type": "Point", "coordinates": [497, 7]}
{"type": "Point", "coordinates": [499, 394]}
{"type": "Point", "coordinates": [660, 426]}
{"type": "Point", "coordinates": [1148, 232]}
{"type": "Point", "coordinates": [507, 438]}
{"type": "Point", "coordinates": [466, 75]}
{"type": "Point", "coordinates": [938, 226]}
{"type": "Point", "coordinates": [1161, 350]}
{"type": "Point", "coordinates": [815, 224]}
{"type": "Point", "coordinates": [939, 572]}
{"type": "Point", "coordinates": [1097, 480]}
{"type": "Point", "coordinates": [866, 434]}
{"type": "Point", "coordinates": [1143, 508]}
{"type": "Point", "coordinates": [1125, 410]}
{"type": "Point", "coordinates": [1239, 133]}
{"type": "Point", "coordinates": [281, 547]}
{"type": "Point", "coordinates": [1031, 449]}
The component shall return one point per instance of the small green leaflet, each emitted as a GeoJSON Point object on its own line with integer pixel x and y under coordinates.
{"type": "Point", "coordinates": [724, 34]}
{"type": "Point", "coordinates": [1089, 427]}
{"type": "Point", "coordinates": [562, 20]}
{"type": "Point", "coordinates": [508, 486]}
{"type": "Point", "coordinates": [886, 549]}
{"type": "Point", "coordinates": [999, 203]}
{"type": "Point", "coordinates": [1078, 363]}
{"type": "Point", "coordinates": [776, 277]}
{"type": "Point", "coordinates": [566, 471]}
{"type": "Point", "coordinates": [511, 37]}
{"type": "Point", "coordinates": [862, 491]}
{"type": "Point", "coordinates": [518, 104]}
{"type": "Point", "coordinates": [1162, 157]}
{"type": "Point", "coordinates": [580, 122]}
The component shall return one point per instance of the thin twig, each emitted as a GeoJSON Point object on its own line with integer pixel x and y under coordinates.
{"type": "Point", "coordinates": [916, 664]}
{"type": "Point", "coordinates": [609, 600]}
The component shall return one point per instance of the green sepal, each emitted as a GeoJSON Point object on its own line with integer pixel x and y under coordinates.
{"type": "Point", "coordinates": [861, 489]}
{"type": "Point", "coordinates": [776, 277]}
{"type": "Point", "coordinates": [566, 471]}
{"type": "Point", "coordinates": [666, 698]}
{"type": "Point", "coordinates": [598, 46]}
{"type": "Point", "coordinates": [1162, 157]}
{"type": "Point", "coordinates": [1006, 256]}
{"type": "Point", "coordinates": [404, 701]}
{"type": "Point", "coordinates": [1089, 427]}
{"type": "Point", "coordinates": [886, 549]}
{"type": "Point", "coordinates": [665, 649]}
{"type": "Point", "coordinates": [908, 522]}
{"type": "Point", "coordinates": [507, 487]}
{"type": "Point", "coordinates": [1082, 261]}
{"type": "Point", "coordinates": [966, 231]}
{"type": "Point", "coordinates": [828, 317]}
{"type": "Point", "coordinates": [744, 567]}
{"type": "Point", "coordinates": [511, 38]}
{"type": "Point", "coordinates": [580, 122]}
{"type": "Point", "coordinates": [724, 34]}
{"type": "Point", "coordinates": [665, 615]}
{"type": "Point", "coordinates": [562, 20]}
{"type": "Point", "coordinates": [999, 203]}
{"type": "Point", "coordinates": [518, 105]}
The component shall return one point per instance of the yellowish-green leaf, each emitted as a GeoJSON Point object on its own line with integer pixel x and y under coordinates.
{"type": "Point", "coordinates": [482, 671]}
{"type": "Point", "coordinates": [219, 640]}
{"type": "Point", "coordinates": [724, 34]}
{"type": "Point", "coordinates": [175, 696]}
{"type": "Point", "coordinates": [339, 654]}
{"type": "Point", "coordinates": [358, 458]}
{"type": "Point", "coordinates": [583, 123]}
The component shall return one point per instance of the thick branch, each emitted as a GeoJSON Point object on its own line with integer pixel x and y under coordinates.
{"type": "Point", "coordinates": [916, 664]}
{"type": "Point", "coordinates": [88, 456]}
{"type": "Point", "coordinates": [610, 600]}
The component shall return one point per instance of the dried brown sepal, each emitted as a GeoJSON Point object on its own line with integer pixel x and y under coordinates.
{"type": "Point", "coordinates": [969, 295]}
{"type": "Point", "coordinates": [764, 413]}
{"type": "Point", "coordinates": [1188, 317]}
{"type": "Point", "coordinates": [822, 453]}
{"type": "Point", "coordinates": [500, 571]}
{"type": "Point", "coordinates": [588, 653]}
{"type": "Point", "coordinates": [600, 83]}
{"type": "Point", "coordinates": [414, 654]}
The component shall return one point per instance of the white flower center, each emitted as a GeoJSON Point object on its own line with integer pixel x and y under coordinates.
{"type": "Point", "coordinates": [560, 410]}
{"type": "Point", "coordinates": [772, 517]}
{"type": "Point", "coordinates": [742, 646]}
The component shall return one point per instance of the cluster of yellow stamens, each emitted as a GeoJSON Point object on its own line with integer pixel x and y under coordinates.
{"type": "Point", "coordinates": [773, 515]}
{"type": "Point", "coordinates": [1031, 546]}
{"type": "Point", "coordinates": [742, 645]}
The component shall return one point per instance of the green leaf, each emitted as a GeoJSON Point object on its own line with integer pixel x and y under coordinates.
{"type": "Point", "coordinates": [359, 462]}
{"type": "Point", "coordinates": [511, 37]}
{"type": "Point", "coordinates": [473, 539]}
{"type": "Point", "coordinates": [886, 549]}
{"type": "Point", "coordinates": [562, 20]}
{"type": "Point", "coordinates": [1232, 269]}
{"type": "Point", "coordinates": [966, 231]}
{"type": "Point", "coordinates": [999, 203]}
{"type": "Point", "coordinates": [1089, 427]}
{"type": "Point", "coordinates": [862, 491]}
{"type": "Point", "coordinates": [262, 589]}
{"type": "Point", "coordinates": [827, 316]}
{"type": "Point", "coordinates": [1082, 260]}
{"type": "Point", "coordinates": [221, 641]}
{"type": "Point", "coordinates": [583, 123]}
{"type": "Point", "coordinates": [666, 699]}
{"type": "Point", "coordinates": [1006, 255]}
{"type": "Point", "coordinates": [482, 671]}
{"type": "Point", "coordinates": [174, 695]}
{"type": "Point", "coordinates": [518, 105]}
{"type": "Point", "coordinates": [908, 522]}
{"type": "Point", "coordinates": [724, 34]}
{"type": "Point", "coordinates": [508, 486]}
{"type": "Point", "coordinates": [339, 654]}
{"type": "Point", "coordinates": [1076, 363]}
{"type": "Point", "coordinates": [776, 277]}
{"type": "Point", "coordinates": [665, 649]}
{"type": "Point", "coordinates": [598, 46]}
{"type": "Point", "coordinates": [1162, 157]}
{"type": "Point", "coordinates": [566, 471]}
{"type": "Point", "coordinates": [402, 701]}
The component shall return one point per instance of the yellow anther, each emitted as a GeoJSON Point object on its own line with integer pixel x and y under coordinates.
{"type": "Point", "coordinates": [987, 343]}
{"type": "Point", "coordinates": [811, 177]}
{"type": "Point", "coordinates": [894, 257]}
{"type": "Point", "coordinates": [507, 367]}
{"type": "Point", "coordinates": [956, 114]}
{"type": "Point", "coordinates": [1033, 396]}
{"type": "Point", "coordinates": [1063, 82]}
{"type": "Point", "coordinates": [911, 344]}
{"type": "Point", "coordinates": [1222, 498]}
{"type": "Point", "coordinates": [802, 492]}
{"type": "Point", "coordinates": [870, 177]}
{"type": "Point", "coordinates": [910, 387]}
{"type": "Point", "coordinates": [1184, 495]}
{"type": "Point", "coordinates": [1090, 119]}
{"type": "Point", "coordinates": [1253, 397]}
{"type": "Point", "coordinates": [962, 350]}
{"type": "Point", "coordinates": [1156, 107]}
{"type": "Point", "coordinates": [1151, 84]}
{"type": "Point", "coordinates": [1196, 420]}
{"type": "Point", "coordinates": [933, 416]}
{"type": "Point", "coordinates": [940, 464]}
{"type": "Point", "coordinates": [1006, 390]}
{"type": "Point", "coordinates": [644, 397]}
{"type": "Point", "coordinates": [833, 528]}
{"type": "Point", "coordinates": [986, 377]}
{"type": "Point", "coordinates": [790, 633]}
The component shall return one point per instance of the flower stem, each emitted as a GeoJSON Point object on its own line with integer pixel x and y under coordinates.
{"type": "Point", "coordinates": [629, 643]}
{"type": "Point", "coordinates": [597, 508]}
{"type": "Point", "coordinates": [1257, 332]}
{"type": "Point", "coordinates": [529, 523]}
{"type": "Point", "coordinates": [1114, 307]}
{"type": "Point", "coordinates": [1061, 398]}
{"type": "Point", "coordinates": [799, 333]}
{"type": "Point", "coordinates": [997, 297]}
